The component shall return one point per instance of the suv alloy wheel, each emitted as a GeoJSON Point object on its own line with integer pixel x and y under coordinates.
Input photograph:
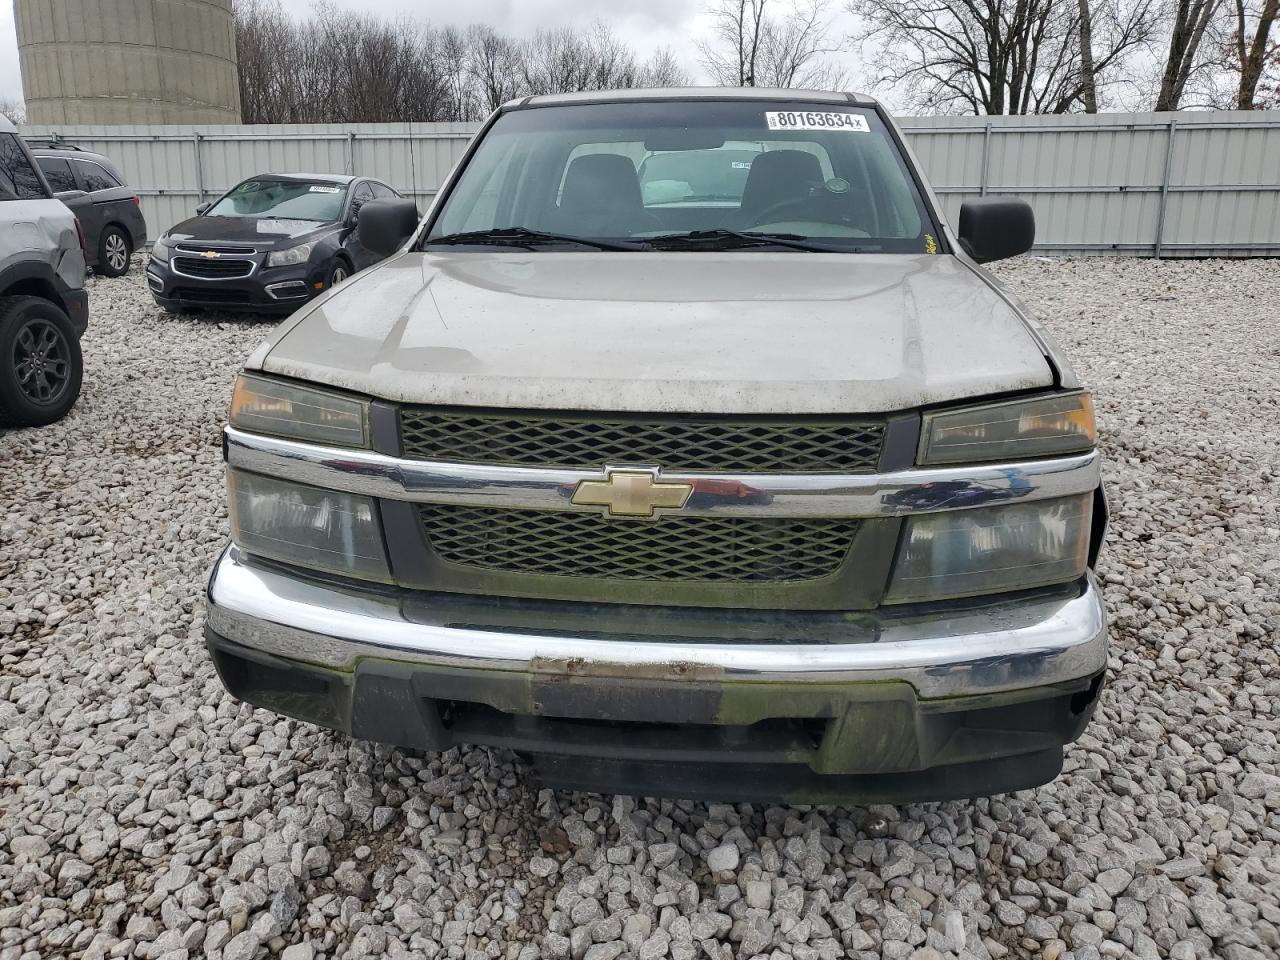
{"type": "Point", "coordinates": [40, 362]}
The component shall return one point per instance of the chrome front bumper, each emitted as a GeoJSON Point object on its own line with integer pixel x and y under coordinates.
{"type": "Point", "coordinates": [972, 650]}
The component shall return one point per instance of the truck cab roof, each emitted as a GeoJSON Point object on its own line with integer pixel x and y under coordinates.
{"type": "Point", "coordinates": [692, 93]}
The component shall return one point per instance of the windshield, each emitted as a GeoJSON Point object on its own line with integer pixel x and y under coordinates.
{"type": "Point", "coordinates": [285, 199]}
{"type": "Point", "coordinates": [651, 170]}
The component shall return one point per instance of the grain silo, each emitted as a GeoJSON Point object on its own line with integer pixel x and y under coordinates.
{"type": "Point", "coordinates": [128, 61]}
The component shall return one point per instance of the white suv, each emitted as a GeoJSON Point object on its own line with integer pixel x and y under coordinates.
{"type": "Point", "coordinates": [43, 305]}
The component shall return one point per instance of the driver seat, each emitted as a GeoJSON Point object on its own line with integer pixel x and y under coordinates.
{"type": "Point", "coordinates": [778, 176]}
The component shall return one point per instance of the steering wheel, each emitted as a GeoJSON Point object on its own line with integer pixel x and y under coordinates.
{"type": "Point", "coordinates": [772, 213]}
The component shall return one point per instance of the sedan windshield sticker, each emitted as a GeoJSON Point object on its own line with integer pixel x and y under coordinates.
{"type": "Point", "coordinates": [816, 120]}
{"type": "Point", "coordinates": [318, 189]}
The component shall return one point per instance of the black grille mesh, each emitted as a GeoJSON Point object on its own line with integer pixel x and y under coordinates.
{"type": "Point", "coordinates": [217, 269]}
{"type": "Point", "coordinates": [673, 549]}
{"type": "Point", "coordinates": [675, 443]}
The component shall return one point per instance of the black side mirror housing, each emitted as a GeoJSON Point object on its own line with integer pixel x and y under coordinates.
{"type": "Point", "coordinates": [995, 228]}
{"type": "Point", "coordinates": [202, 207]}
{"type": "Point", "coordinates": [383, 225]}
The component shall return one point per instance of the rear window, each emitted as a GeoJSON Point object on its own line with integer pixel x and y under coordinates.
{"type": "Point", "coordinates": [18, 179]}
{"type": "Point", "coordinates": [94, 176]}
{"type": "Point", "coordinates": [712, 176]}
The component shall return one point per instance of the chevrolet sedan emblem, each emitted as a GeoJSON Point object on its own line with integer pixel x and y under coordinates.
{"type": "Point", "coordinates": [631, 493]}
{"type": "Point", "coordinates": [212, 254]}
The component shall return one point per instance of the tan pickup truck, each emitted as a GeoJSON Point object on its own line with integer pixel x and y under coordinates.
{"type": "Point", "coordinates": [684, 449]}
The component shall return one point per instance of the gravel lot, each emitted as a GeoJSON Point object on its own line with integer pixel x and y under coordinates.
{"type": "Point", "coordinates": [143, 813]}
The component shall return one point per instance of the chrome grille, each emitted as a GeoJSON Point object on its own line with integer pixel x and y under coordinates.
{"type": "Point", "coordinates": [729, 444]}
{"type": "Point", "coordinates": [685, 549]}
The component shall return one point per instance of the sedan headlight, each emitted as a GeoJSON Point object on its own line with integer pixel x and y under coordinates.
{"type": "Point", "coordinates": [1013, 430]}
{"type": "Point", "coordinates": [161, 249]}
{"type": "Point", "coordinates": [283, 409]}
{"type": "Point", "coordinates": [306, 526]}
{"type": "Point", "coordinates": [1014, 546]}
{"type": "Point", "coordinates": [294, 255]}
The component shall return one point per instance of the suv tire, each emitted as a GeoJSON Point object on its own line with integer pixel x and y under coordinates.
{"type": "Point", "coordinates": [114, 251]}
{"type": "Point", "coordinates": [40, 362]}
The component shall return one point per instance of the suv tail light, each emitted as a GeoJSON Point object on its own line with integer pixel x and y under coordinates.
{"type": "Point", "coordinates": [137, 200]}
{"type": "Point", "coordinates": [80, 233]}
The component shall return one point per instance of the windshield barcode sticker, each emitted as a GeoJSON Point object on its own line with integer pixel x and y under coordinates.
{"type": "Point", "coordinates": [318, 189]}
{"type": "Point", "coordinates": [814, 120]}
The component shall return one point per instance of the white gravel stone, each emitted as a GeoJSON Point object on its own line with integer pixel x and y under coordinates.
{"type": "Point", "coordinates": [145, 813]}
{"type": "Point", "coordinates": [722, 858]}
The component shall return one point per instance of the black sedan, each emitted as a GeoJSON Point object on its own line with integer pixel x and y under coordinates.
{"type": "Point", "coordinates": [267, 245]}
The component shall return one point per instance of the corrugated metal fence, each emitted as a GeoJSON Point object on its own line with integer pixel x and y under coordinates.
{"type": "Point", "coordinates": [1163, 184]}
{"type": "Point", "coordinates": [1168, 184]}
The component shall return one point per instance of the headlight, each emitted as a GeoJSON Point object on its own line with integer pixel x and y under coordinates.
{"type": "Point", "coordinates": [320, 529]}
{"type": "Point", "coordinates": [161, 249]}
{"type": "Point", "coordinates": [1013, 430]}
{"type": "Point", "coordinates": [283, 409]}
{"type": "Point", "coordinates": [287, 258]}
{"type": "Point", "coordinates": [965, 553]}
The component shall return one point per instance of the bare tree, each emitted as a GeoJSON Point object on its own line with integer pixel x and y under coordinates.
{"type": "Point", "coordinates": [267, 53]}
{"type": "Point", "coordinates": [749, 47]}
{"type": "Point", "coordinates": [993, 57]}
{"type": "Point", "coordinates": [15, 111]}
{"type": "Point", "coordinates": [1267, 96]}
{"type": "Point", "coordinates": [1256, 50]}
{"type": "Point", "coordinates": [452, 48]}
{"type": "Point", "coordinates": [736, 33]}
{"type": "Point", "coordinates": [494, 67]}
{"type": "Point", "coordinates": [794, 51]}
{"type": "Point", "coordinates": [346, 66]}
{"type": "Point", "coordinates": [1190, 20]}
{"type": "Point", "coordinates": [611, 64]}
{"type": "Point", "coordinates": [1088, 72]}
{"type": "Point", "coordinates": [663, 70]}
{"type": "Point", "coordinates": [564, 60]}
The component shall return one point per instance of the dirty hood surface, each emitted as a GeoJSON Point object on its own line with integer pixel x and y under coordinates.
{"type": "Point", "coordinates": [740, 332]}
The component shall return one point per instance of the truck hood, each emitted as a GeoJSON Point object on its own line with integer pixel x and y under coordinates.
{"type": "Point", "coordinates": [740, 332]}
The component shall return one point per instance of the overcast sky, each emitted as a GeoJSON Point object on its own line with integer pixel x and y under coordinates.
{"type": "Point", "coordinates": [647, 25]}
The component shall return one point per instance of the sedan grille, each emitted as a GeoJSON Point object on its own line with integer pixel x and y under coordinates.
{"type": "Point", "coordinates": [693, 549]}
{"type": "Point", "coordinates": [729, 444]}
{"type": "Point", "coordinates": [222, 268]}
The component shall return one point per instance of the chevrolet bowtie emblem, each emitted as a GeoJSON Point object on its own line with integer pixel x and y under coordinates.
{"type": "Point", "coordinates": [631, 493]}
{"type": "Point", "coordinates": [212, 254]}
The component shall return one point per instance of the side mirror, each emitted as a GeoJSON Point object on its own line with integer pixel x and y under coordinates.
{"type": "Point", "coordinates": [383, 225]}
{"type": "Point", "coordinates": [994, 228]}
{"type": "Point", "coordinates": [202, 207]}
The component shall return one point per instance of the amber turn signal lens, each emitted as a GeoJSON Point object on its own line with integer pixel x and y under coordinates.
{"type": "Point", "coordinates": [281, 409]}
{"type": "Point", "coordinates": [1054, 425]}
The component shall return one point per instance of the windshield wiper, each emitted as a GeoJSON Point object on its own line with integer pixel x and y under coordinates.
{"type": "Point", "coordinates": [724, 239]}
{"type": "Point", "coordinates": [528, 239]}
